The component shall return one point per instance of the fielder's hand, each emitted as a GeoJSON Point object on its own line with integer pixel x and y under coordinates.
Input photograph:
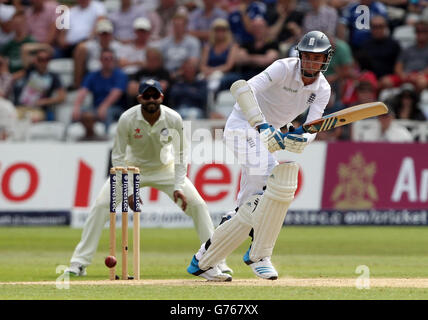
{"type": "Point", "coordinates": [180, 195]}
{"type": "Point", "coordinates": [273, 139]}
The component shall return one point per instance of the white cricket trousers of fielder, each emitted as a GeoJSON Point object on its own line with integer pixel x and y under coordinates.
{"type": "Point", "coordinates": [256, 161]}
{"type": "Point", "coordinates": [100, 211]}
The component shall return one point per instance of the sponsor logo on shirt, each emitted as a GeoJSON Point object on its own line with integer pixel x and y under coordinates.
{"type": "Point", "coordinates": [290, 89]}
{"type": "Point", "coordinates": [137, 134]}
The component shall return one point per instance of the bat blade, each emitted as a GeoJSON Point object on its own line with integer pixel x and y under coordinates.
{"type": "Point", "coordinates": [346, 116]}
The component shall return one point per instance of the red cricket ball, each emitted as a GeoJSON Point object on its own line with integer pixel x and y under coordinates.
{"type": "Point", "coordinates": [110, 261]}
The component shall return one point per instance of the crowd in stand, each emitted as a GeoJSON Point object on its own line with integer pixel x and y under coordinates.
{"type": "Point", "coordinates": [198, 48]}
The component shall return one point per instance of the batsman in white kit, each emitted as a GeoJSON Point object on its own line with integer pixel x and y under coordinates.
{"type": "Point", "coordinates": [264, 104]}
{"type": "Point", "coordinates": [149, 136]}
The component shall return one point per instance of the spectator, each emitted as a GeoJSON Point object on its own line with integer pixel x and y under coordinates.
{"type": "Point", "coordinates": [405, 104]}
{"type": "Point", "coordinates": [12, 49]}
{"type": "Point", "coordinates": [123, 20]}
{"type": "Point", "coordinates": [154, 69]}
{"type": "Point", "coordinates": [188, 95]}
{"type": "Point", "coordinates": [107, 87]}
{"type": "Point", "coordinates": [228, 5]}
{"type": "Point", "coordinates": [240, 19]}
{"type": "Point", "coordinates": [39, 90]}
{"type": "Point", "coordinates": [379, 54]}
{"type": "Point", "coordinates": [339, 5]}
{"type": "Point", "coordinates": [286, 28]}
{"type": "Point", "coordinates": [5, 78]}
{"type": "Point", "coordinates": [8, 117]}
{"type": "Point", "coordinates": [163, 16]}
{"type": "Point", "coordinates": [201, 19]}
{"type": "Point", "coordinates": [41, 20]}
{"type": "Point", "coordinates": [148, 5]}
{"type": "Point", "coordinates": [219, 56]}
{"type": "Point", "coordinates": [417, 6]}
{"type": "Point", "coordinates": [340, 69]}
{"type": "Point", "coordinates": [321, 17]}
{"type": "Point", "coordinates": [192, 5]}
{"type": "Point", "coordinates": [412, 64]}
{"type": "Point", "coordinates": [83, 18]}
{"type": "Point", "coordinates": [88, 120]}
{"type": "Point", "coordinates": [6, 14]}
{"type": "Point", "coordinates": [388, 130]}
{"type": "Point", "coordinates": [257, 55]}
{"type": "Point", "coordinates": [363, 90]}
{"type": "Point", "coordinates": [132, 57]}
{"type": "Point", "coordinates": [180, 46]}
{"type": "Point", "coordinates": [87, 53]}
{"type": "Point", "coordinates": [305, 6]}
{"type": "Point", "coordinates": [333, 135]}
{"type": "Point", "coordinates": [348, 25]}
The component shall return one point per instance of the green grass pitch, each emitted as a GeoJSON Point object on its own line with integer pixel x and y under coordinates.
{"type": "Point", "coordinates": [317, 253]}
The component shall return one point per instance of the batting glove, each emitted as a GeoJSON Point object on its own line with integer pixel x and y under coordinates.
{"type": "Point", "coordinates": [295, 142]}
{"type": "Point", "coordinates": [273, 139]}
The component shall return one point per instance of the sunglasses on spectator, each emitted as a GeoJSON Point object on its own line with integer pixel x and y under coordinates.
{"type": "Point", "coordinates": [155, 95]}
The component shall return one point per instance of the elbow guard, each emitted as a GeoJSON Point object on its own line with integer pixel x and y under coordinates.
{"type": "Point", "coordinates": [243, 94]}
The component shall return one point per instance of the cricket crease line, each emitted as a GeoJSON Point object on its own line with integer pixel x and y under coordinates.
{"type": "Point", "coordinates": [282, 282]}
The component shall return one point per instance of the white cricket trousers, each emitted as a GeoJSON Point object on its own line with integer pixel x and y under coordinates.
{"type": "Point", "coordinates": [256, 161]}
{"type": "Point", "coordinates": [100, 211]}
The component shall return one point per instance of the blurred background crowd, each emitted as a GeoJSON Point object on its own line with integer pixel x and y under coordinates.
{"type": "Point", "coordinates": [77, 79]}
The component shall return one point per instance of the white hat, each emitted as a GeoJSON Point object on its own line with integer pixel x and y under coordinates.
{"type": "Point", "coordinates": [142, 24]}
{"type": "Point", "coordinates": [104, 25]}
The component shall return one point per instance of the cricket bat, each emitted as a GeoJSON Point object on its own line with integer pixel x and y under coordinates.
{"type": "Point", "coordinates": [346, 116]}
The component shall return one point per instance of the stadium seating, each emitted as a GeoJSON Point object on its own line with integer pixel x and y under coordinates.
{"type": "Point", "coordinates": [46, 131]}
{"type": "Point", "coordinates": [111, 131]}
{"type": "Point", "coordinates": [224, 103]}
{"type": "Point", "coordinates": [64, 68]}
{"type": "Point", "coordinates": [362, 129]}
{"type": "Point", "coordinates": [75, 131]}
{"type": "Point", "coordinates": [405, 35]}
{"type": "Point", "coordinates": [423, 103]}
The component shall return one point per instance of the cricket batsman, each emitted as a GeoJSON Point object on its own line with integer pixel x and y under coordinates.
{"type": "Point", "coordinates": [264, 104]}
{"type": "Point", "coordinates": [149, 136]}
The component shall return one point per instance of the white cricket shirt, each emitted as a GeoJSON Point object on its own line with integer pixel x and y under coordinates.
{"type": "Point", "coordinates": [282, 96]}
{"type": "Point", "coordinates": [160, 147]}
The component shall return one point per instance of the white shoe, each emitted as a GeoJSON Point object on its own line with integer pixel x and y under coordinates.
{"type": "Point", "coordinates": [264, 269]}
{"type": "Point", "coordinates": [212, 274]}
{"type": "Point", "coordinates": [215, 274]}
{"type": "Point", "coordinates": [224, 267]}
{"type": "Point", "coordinates": [76, 269]}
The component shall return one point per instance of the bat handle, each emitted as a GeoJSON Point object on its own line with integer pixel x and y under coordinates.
{"type": "Point", "coordinates": [299, 130]}
{"type": "Point", "coordinates": [292, 130]}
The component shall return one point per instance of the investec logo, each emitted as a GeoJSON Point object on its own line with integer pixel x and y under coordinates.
{"type": "Point", "coordinates": [290, 90]}
{"type": "Point", "coordinates": [113, 192]}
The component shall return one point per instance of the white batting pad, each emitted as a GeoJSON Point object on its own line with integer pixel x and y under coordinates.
{"type": "Point", "coordinates": [272, 209]}
{"type": "Point", "coordinates": [229, 235]}
{"type": "Point", "coordinates": [247, 102]}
